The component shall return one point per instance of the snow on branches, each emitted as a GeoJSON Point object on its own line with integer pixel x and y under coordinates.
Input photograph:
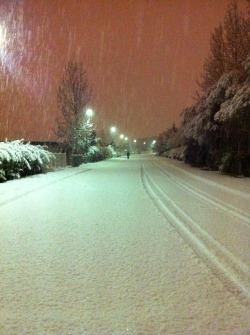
{"type": "Point", "coordinates": [18, 159]}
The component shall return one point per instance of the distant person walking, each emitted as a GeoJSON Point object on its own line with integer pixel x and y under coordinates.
{"type": "Point", "coordinates": [128, 154]}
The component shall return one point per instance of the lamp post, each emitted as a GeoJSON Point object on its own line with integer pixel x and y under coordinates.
{"type": "Point", "coordinates": [135, 151]}
{"type": "Point", "coordinates": [153, 145]}
{"type": "Point", "coordinates": [127, 145]}
{"type": "Point", "coordinates": [88, 128]}
{"type": "Point", "coordinates": [89, 112]}
{"type": "Point", "coordinates": [121, 144]}
{"type": "Point", "coordinates": [112, 131]}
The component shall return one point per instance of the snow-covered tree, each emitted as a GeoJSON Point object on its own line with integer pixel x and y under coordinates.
{"type": "Point", "coordinates": [215, 131]}
{"type": "Point", "coordinates": [168, 141]}
{"type": "Point", "coordinates": [85, 135]}
{"type": "Point", "coordinates": [234, 119]}
{"type": "Point", "coordinates": [218, 125]}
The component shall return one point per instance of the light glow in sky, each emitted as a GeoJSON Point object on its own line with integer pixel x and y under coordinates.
{"type": "Point", "coordinates": [142, 60]}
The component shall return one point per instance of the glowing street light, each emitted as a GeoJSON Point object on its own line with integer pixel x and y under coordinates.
{"type": "Point", "coordinates": [113, 130]}
{"type": "Point", "coordinates": [89, 112]}
{"type": "Point", "coordinates": [112, 139]}
{"type": "Point", "coordinates": [126, 138]}
{"type": "Point", "coordinates": [135, 146]}
{"type": "Point", "coordinates": [121, 136]}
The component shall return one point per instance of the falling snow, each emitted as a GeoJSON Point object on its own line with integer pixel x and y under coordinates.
{"type": "Point", "coordinates": [142, 59]}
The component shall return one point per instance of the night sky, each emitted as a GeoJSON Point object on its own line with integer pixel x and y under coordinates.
{"type": "Point", "coordinates": [142, 58]}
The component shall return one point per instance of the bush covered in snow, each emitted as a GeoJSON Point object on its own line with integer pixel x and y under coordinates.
{"type": "Point", "coordinates": [176, 153]}
{"type": "Point", "coordinates": [78, 159]}
{"type": "Point", "coordinates": [97, 153]}
{"type": "Point", "coordinates": [167, 141]}
{"type": "Point", "coordinates": [19, 159]}
{"type": "Point", "coordinates": [109, 152]}
{"type": "Point", "coordinates": [94, 154]}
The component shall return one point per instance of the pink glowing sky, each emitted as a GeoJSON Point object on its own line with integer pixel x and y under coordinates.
{"type": "Point", "coordinates": [142, 58]}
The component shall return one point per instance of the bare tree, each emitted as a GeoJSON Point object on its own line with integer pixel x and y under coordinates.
{"type": "Point", "coordinates": [237, 36]}
{"type": "Point", "coordinates": [229, 47]}
{"type": "Point", "coordinates": [214, 65]}
{"type": "Point", "coordinates": [74, 95]}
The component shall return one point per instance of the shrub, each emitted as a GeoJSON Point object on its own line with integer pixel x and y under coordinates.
{"type": "Point", "coordinates": [108, 152]}
{"type": "Point", "coordinates": [177, 153]}
{"type": "Point", "coordinates": [2, 175]}
{"type": "Point", "coordinates": [94, 154]}
{"type": "Point", "coordinates": [19, 159]}
{"type": "Point", "coordinates": [78, 160]}
{"type": "Point", "coordinates": [235, 164]}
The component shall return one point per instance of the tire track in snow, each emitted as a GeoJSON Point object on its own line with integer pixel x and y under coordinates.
{"type": "Point", "coordinates": [231, 271]}
{"type": "Point", "coordinates": [232, 210]}
{"type": "Point", "coordinates": [210, 182]}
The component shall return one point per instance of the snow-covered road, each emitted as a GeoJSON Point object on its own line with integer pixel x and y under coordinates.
{"type": "Point", "coordinates": [139, 246]}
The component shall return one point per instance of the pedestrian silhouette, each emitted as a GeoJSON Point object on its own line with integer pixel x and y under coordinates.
{"type": "Point", "coordinates": [128, 154]}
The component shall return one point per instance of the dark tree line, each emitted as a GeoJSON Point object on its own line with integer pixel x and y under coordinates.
{"type": "Point", "coordinates": [215, 131]}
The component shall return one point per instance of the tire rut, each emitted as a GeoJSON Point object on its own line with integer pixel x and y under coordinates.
{"type": "Point", "coordinates": [230, 270]}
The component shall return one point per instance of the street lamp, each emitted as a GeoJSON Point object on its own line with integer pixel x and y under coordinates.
{"type": "Point", "coordinates": [89, 112]}
{"type": "Point", "coordinates": [87, 128]}
{"type": "Point", "coordinates": [121, 136]}
{"type": "Point", "coordinates": [153, 145]}
{"type": "Point", "coordinates": [113, 130]}
{"type": "Point", "coordinates": [135, 146]}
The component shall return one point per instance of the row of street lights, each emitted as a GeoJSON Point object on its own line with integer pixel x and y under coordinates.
{"type": "Point", "coordinates": [89, 113]}
{"type": "Point", "coordinates": [124, 144]}
{"type": "Point", "coordinates": [113, 130]}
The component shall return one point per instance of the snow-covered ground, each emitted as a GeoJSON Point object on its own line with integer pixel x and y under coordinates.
{"type": "Point", "coordinates": [139, 246]}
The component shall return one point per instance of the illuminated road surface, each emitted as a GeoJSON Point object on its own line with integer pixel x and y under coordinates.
{"type": "Point", "coordinates": [139, 246]}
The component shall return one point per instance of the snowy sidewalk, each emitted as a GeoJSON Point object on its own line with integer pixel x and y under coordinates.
{"type": "Point", "coordinates": [14, 189]}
